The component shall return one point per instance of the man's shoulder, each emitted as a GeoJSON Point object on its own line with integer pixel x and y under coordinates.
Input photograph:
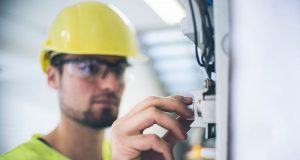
{"type": "Point", "coordinates": [32, 150]}
{"type": "Point", "coordinates": [24, 151]}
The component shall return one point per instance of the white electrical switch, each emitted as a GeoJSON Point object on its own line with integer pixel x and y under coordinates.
{"type": "Point", "coordinates": [204, 112]}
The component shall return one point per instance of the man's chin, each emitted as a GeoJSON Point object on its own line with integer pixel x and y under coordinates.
{"type": "Point", "coordinates": [98, 125]}
{"type": "Point", "coordinates": [98, 121]}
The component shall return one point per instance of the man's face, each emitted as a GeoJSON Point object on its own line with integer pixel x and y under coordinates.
{"type": "Point", "coordinates": [86, 95]}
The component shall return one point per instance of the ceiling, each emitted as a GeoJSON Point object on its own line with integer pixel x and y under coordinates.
{"type": "Point", "coordinates": [25, 23]}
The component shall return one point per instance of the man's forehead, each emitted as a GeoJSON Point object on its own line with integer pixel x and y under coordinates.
{"type": "Point", "coordinates": [103, 57]}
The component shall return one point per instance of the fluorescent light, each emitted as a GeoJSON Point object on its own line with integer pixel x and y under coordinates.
{"type": "Point", "coordinates": [169, 10]}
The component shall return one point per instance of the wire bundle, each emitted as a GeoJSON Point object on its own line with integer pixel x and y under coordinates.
{"type": "Point", "coordinates": [207, 59]}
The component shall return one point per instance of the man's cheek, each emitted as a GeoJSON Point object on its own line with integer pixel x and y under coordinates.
{"type": "Point", "coordinates": [77, 95]}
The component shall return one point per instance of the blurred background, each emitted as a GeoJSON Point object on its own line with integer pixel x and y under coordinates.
{"type": "Point", "coordinates": [257, 106]}
{"type": "Point", "coordinates": [28, 105]}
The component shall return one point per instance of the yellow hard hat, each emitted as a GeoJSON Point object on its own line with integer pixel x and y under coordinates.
{"type": "Point", "coordinates": [90, 28]}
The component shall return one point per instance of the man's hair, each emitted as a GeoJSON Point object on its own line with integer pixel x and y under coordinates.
{"type": "Point", "coordinates": [56, 62]}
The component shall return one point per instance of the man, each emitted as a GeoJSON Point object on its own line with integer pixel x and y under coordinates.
{"type": "Point", "coordinates": [84, 58]}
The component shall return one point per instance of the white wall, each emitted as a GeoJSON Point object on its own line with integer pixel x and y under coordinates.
{"type": "Point", "coordinates": [265, 64]}
{"type": "Point", "coordinates": [27, 104]}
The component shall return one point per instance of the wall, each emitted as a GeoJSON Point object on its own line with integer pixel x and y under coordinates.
{"type": "Point", "coordinates": [265, 80]}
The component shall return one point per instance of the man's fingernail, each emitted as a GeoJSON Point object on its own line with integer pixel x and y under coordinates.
{"type": "Point", "coordinates": [188, 99]}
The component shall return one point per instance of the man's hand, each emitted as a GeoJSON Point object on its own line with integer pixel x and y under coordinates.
{"type": "Point", "coordinates": [128, 140]}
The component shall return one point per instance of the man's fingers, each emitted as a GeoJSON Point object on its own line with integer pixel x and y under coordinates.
{"type": "Point", "coordinates": [176, 104]}
{"type": "Point", "coordinates": [140, 121]}
{"type": "Point", "coordinates": [170, 138]}
{"type": "Point", "coordinates": [151, 142]}
{"type": "Point", "coordinates": [182, 99]}
{"type": "Point", "coordinates": [184, 123]}
{"type": "Point", "coordinates": [144, 115]}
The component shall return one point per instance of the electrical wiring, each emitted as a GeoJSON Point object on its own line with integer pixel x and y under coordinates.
{"type": "Point", "coordinates": [207, 59]}
{"type": "Point", "coordinates": [195, 34]}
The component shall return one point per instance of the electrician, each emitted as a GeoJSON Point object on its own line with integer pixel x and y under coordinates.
{"type": "Point", "coordinates": [84, 59]}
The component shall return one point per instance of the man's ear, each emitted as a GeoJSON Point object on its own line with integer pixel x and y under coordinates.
{"type": "Point", "coordinates": [53, 78]}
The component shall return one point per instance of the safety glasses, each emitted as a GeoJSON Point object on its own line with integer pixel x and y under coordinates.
{"type": "Point", "coordinates": [94, 68]}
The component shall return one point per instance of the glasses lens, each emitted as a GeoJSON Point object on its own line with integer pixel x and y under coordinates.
{"type": "Point", "coordinates": [86, 68]}
{"type": "Point", "coordinates": [119, 68]}
{"type": "Point", "coordinates": [95, 68]}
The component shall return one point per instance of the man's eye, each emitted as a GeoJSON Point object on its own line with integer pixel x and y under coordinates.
{"type": "Point", "coordinates": [119, 70]}
{"type": "Point", "coordinates": [89, 68]}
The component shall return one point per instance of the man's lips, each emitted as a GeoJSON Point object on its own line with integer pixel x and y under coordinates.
{"type": "Point", "coordinates": [105, 102]}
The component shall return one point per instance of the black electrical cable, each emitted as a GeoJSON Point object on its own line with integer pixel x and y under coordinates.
{"type": "Point", "coordinates": [210, 33]}
{"type": "Point", "coordinates": [212, 44]}
{"type": "Point", "coordinates": [207, 59]}
{"type": "Point", "coordinates": [195, 34]}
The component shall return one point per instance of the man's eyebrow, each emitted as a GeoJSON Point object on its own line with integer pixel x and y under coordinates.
{"type": "Point", "coordinates": [114, 61]}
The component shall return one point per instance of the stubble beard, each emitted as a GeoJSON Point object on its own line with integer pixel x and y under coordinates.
{"type": "Point", "coordinates": [104, 119]}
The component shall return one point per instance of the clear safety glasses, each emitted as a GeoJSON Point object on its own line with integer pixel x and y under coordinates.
{"type": "Point", "coordinates": [94, 68]}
